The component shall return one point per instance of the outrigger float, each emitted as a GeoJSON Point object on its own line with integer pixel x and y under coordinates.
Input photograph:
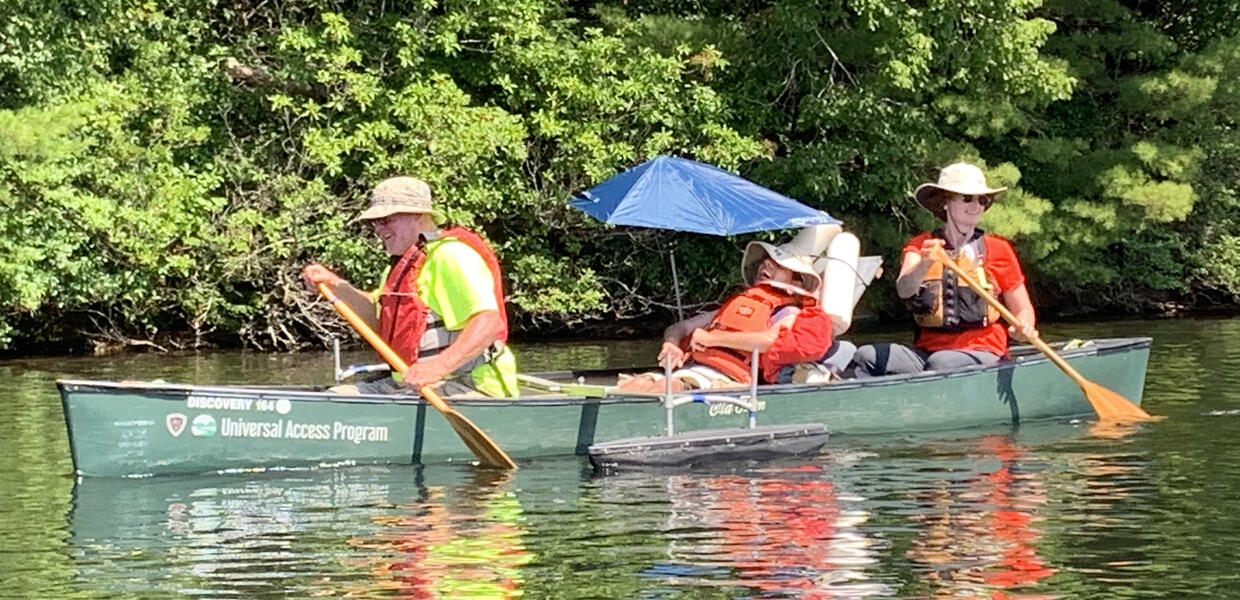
{"type": "Point", "coordinates": [153, 428]}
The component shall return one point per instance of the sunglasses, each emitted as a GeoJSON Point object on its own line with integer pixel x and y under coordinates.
{"type": "Point", "coordinates": [980, 199]}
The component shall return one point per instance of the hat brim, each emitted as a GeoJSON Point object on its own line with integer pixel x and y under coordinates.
{"type": "Point", "coordinates": [755, 252]}
{"type": "Point", "coordinates": [926, 195]}
{"type": "Point", "coordinates": [379, 212]}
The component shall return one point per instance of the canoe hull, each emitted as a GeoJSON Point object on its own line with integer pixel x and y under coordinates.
{"type": "Point", "coordinates": [136, 429]}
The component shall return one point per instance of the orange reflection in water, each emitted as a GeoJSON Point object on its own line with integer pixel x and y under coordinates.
{"type": "Point", "coordinates": [777, 532]}
{"type": "Point", "coordinates": [1118, 430]}
{"type": "Point", "coordinates": [979, 536]}
{"type": "Point", "coordinates": [782, 533]}
{"type": "Point", "coordinates": [441, 548]}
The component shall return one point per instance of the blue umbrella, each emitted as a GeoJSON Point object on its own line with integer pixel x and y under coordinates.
{"type": "Point", "coordinates": [668, 192]}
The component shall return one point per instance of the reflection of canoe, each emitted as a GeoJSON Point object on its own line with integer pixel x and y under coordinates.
{"type": "Point", "coordinates": [152, 428]}
{"type": "Point", "coordinates": [338, 533]}
{"type": "Point", "coordinates": [231, 509]}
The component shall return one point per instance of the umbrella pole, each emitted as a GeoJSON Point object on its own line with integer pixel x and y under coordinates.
{"type": "Point", "coordinates": [680, 311]}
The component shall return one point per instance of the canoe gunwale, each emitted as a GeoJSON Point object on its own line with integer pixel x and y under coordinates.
{"type": "Point", "coordinates": [1100, 347]}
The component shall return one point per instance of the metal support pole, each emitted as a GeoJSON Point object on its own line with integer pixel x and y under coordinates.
{"type": "Point", "coordinates": [667, 398]}
{"type": "Point", "coordinates": [680, 311]}
{"type": "Point", "coordinates": [753, 390]}
{"type": "Point", "coordinates": [336, 356]}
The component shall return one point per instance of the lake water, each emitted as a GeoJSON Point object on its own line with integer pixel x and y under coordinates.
{"type": "Point", "coordinates": [1045, 510]}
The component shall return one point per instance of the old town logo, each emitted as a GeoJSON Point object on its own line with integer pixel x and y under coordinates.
{"type": "Point", "coordinates": [176, 423]}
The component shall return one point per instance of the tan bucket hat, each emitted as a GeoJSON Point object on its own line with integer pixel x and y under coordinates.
{"type": "Point", "coordinates": [958, 178]}
{"type": "Point", "coordinates": [796, 256]}
{"type": "Point", "coordinates": [398, 195]}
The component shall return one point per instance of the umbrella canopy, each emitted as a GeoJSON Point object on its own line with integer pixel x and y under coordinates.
{"type": "Point", "coordinates": [669, 192]}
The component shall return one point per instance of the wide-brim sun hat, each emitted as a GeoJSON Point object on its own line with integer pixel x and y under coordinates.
{"type": "Point", "coordinates": [784, 256]}
{"type": "Point", "coordinates": [958, 178]}
{"type": "Point", "coordinates": [397, 195]}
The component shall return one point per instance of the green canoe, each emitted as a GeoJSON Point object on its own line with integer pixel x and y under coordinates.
{"type": "Point", "coordinates": [139, 429]}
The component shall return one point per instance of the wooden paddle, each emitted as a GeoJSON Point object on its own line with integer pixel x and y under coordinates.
{"type": "Point", "coordinates": [1109, 405]}
{"type": "Point", "coordinates": [482, 446]}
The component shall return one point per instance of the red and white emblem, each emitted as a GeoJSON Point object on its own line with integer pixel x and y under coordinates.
{"type": "Point", "coordinates": [176, 423]}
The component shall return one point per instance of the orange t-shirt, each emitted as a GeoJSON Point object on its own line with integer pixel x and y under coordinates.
{"type": "Point", "coordinates": [1003, 269]}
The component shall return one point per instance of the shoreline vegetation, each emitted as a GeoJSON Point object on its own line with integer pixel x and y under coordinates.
{"type": "Point", "coordinates": [167, 170]}
{"type": "Point", "coordinates": [866, 328]}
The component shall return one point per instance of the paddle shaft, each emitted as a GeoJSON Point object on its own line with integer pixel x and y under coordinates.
{"type": "Point", "coordinates": [379, 345]}
{"type": "Point", "coordinates": [941, 256]}
{"type": "Point", "coordinates": [488, 452]}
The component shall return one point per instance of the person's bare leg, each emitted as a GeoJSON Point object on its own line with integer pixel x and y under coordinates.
{"type": "Point", "coordinates": [648, 384]}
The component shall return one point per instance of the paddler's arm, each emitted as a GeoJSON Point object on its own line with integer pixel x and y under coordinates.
{"type": "Point", "coordinates": [1017, 300]}
{"type": "Point", "coordinates": [481, 330]}
{"type": "Point", "coordinates": [914, 267]}
{"type": "Point", "coordinates": [361, 302]}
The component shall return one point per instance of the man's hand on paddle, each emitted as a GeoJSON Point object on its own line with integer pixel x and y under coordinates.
{"type": "Point", "coordinates": [314, 274]}
{"type": "Point", "coordinates": [424, 372]}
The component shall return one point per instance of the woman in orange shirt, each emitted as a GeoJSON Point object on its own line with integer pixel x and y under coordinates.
{"type": "Point", "coordinates": [955, 326]}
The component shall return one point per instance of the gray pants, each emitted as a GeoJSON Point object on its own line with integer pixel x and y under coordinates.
{"type": "Point", "coordinates": [839, 356]}
{"type": "Point", "coordinates": [836, 360]}
{"type": "Point", "coordinates": [389, 386]}
{"type": "Point", "coordinates": [892, 359]}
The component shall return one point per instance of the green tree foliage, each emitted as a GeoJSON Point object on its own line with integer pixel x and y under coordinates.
{"type": "Point", "coordinates": [179, 181]}
{"type": "Point", "coordinates": [1132, 162]}
{"type": "Point", "coordinates": [168, 168]}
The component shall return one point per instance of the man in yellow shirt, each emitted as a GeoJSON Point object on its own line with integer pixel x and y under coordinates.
{"type": "Point", "coordinates": [442, 305]}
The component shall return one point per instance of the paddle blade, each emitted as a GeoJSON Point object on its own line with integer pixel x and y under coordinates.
{"type": "Point", "coordinates": [1110, 405]}
{"type": "Point", "coordinates": [488, 452]}
{"type": "Point", "coordinates": [1113, 430]}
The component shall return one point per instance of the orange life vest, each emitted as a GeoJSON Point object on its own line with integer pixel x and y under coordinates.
{"type": "Point", "coordinates": [945, 303]}
{"type": "Point", "coordinates": [407, 323]}
{"type": "Point", "coordinates": [750, 310]}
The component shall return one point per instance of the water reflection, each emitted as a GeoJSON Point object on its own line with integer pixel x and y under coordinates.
{"type": "Point", "coordinates": [347, 532]}
{"type": "Point", "coordinates": [775, 532]}
{"type": "Point", "coordinates": [977, 535]}
{"type": "Point", "coordinates": [457, 542]}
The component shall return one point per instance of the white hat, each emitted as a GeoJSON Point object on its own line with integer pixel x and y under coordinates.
{"type": "Point", "coordinates": [789, 255]}
{"type": "Point", "coordinates": [958, 178]}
